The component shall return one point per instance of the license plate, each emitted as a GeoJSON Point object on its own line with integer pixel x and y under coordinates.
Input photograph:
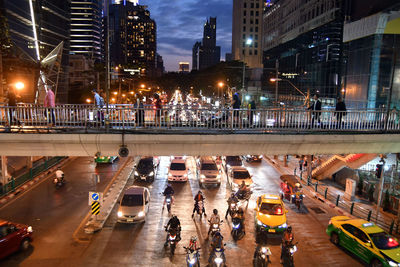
{"type": "Point", "coordinates": [271, 230]}
{"type": "Point", "coordinates": [143, 178]}
{"type": "Point", "coordinates": [129, 220]}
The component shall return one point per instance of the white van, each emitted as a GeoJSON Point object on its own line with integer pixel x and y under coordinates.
{"type": "Point", "coordinates": [134, 205]}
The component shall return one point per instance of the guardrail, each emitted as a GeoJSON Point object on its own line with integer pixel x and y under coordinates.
{"type": "Point", "coordinates": [127, 117]}
{"type": "Point", "coordinates": [18, 181]}
{"type": "Point", "coordinates": [354, 208]}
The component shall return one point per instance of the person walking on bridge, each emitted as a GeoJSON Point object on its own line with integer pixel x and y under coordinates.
{"type": "Point", "coordinates": [49, 104]}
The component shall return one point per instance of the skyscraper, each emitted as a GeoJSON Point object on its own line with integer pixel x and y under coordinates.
{"type": "Point", "coordinates": [247, 25]}
{"type": "Point", "coordinates": [51, 21]}
{"type": "Point", "coordinates": [86, 27]}
{"type": "Point", "coordinates": [133, 38]}
{"type": "Point", "coordinates": [207, 53]}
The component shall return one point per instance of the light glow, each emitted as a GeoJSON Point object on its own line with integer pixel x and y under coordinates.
{"type": "Point", "coordinates": [34, 30]}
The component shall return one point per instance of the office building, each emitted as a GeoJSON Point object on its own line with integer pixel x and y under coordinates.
{"type": "Point", "coordinates": [207, 53]}
{"type": "Point", "coordinates": [86, 28]}
{"type": "Point", "coordinates": [52, 21]}
{"type": "Point", "coordinates": [132, 39]}
{"type": "Point", "coordinates": [247, 25]}
{"type": "Point", "coordinates": [184, 67]}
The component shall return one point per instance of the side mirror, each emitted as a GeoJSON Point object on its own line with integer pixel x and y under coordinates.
{"type": "Point", "coordinates": [368, 244]}
{"type": "Point", "coordinates": [286, 211]}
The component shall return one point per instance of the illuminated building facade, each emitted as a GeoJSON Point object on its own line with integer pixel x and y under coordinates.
{"type": "Point", "coordinates": [86, 27]}
{"type": "Point", "coordinates": [133, 38]}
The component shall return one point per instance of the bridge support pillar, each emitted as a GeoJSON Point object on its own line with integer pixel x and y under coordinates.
{"type": "Point", "coordinates": [285, 160]}
{"type": "Point", "coordinates": [29, 162]}
{"type": "Point", "coordinates": [4, 172]}
{"type": "Point", "coordinates": [275, 157]}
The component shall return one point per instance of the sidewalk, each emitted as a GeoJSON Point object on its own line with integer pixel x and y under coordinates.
{"type": "Point", "coordinates": [329, 191]}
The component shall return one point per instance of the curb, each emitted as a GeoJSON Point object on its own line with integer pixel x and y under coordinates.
{"type": "Point", "coordinates": [28, 184]}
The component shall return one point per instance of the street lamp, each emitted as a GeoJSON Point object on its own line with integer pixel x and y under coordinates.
{"type": "Point", "coordinates": [19, 85]}
{"type": "Point", "coordinates": [249, 41]}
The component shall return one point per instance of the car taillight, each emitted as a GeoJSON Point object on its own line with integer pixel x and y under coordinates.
{"type": "Point", "coordinates": [279, 211]}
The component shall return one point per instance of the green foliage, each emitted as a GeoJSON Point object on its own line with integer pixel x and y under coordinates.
{"type": "Point", "coordinates": [371, 193]}
{"type": "Point", "coordinates": [5, 41]}
{"type": "Point", "coordinates": [386, 201]}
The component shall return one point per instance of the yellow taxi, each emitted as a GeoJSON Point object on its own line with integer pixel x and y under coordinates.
{"type": "Point", "coordinates": [270, 214]}
{"type": "Point", "coordinates": [366, 240]}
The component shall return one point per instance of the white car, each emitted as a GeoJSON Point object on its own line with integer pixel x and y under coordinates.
{"type": "Point", "coordinates": [178, 170]}
{"type": "Point", "coordinates": [238, 174]}
{"type": "Point", "coordinates": [208, 172]}
{"type": "Point", "coordinates": [134, 205]}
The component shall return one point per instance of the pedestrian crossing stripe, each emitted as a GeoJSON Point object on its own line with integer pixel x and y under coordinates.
{"type": "Point", "coordinates": [95, 207]}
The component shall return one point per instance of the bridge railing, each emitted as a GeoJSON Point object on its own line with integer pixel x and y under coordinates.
{"type": "Point", "coordinates": [127, 117]}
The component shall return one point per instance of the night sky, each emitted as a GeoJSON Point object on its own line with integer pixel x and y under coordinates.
{"type": "Point", "coordinates": [180, 24]}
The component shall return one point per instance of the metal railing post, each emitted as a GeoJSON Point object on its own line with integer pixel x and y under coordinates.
{"type": "Point", "coordinates": [352, 208]}
{"type": "Point", "coordinates": [369, 215]}
{"type": "Point", "coordinates": [391, 227]}
{"type": "Point", "coordinates": [337, 200]}
{"type": "Point", "coordinates": [316, 187]}
{"type": "Point", "coordinates": [326, 192]}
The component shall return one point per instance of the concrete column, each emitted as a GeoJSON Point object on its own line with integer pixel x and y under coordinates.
{"type": "Point", "coordinates": [29, 162]}
{"type": "Point", "coordinates": [4, 172]}
{"type": "Point", "coordinates": [275, 156]}
{"type": "Point", "coordinates": [309, 166]}
{"type": "Point", "coordinates": [285, 162]}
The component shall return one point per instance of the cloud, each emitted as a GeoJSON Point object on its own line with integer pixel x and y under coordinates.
{"type": "Point", "coordinates": [180, 24]}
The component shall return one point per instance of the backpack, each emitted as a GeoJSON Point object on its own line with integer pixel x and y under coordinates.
{"type": "Point", "coordinates": [102, 103]}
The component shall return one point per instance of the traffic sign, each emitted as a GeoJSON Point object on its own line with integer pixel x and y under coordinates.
{"type": "Point", "coordinates": [95, 196]}
{"type": "Point", "coordinates": [95, 207]}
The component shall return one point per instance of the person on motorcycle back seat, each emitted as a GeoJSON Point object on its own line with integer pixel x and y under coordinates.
{"type": "Point", "coordinates": [197, 198]}
{"type": "Point", "coordinates": [239, 214]}
{"type": "Point", "coordinates": [231, 199]}
{"type": "Point", "coordinates": [287, 239]}
{"type": "Point", "coordinates": [193, 245]}
{"type": "Point", "coordinates": [168, 191]}
{"type": "Point", "coordinates": [242, 190]}
{"type": "Point", "coordinates": [174, 225]}
{"type": "Point", "coordinates": [215, 219]}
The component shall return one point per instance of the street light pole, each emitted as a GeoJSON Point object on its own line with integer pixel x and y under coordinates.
{"type": "Point", "coordinates": [248, 43]}
{"type": "Point", "coordinates": [277, 79]}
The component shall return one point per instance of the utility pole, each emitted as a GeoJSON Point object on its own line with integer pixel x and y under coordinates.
{"type": "Point", "coordinates": [277, 80]}
{"type": "Point", "coordinates": [381, 183]}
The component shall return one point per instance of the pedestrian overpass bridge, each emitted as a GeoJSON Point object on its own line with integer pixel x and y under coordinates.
{"type": "Point", "coordinates": [79, 130]}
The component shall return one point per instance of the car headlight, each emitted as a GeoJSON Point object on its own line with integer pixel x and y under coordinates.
{"type": "Point", "coordinates": [392, 263]}
{"type": "Point", "coordinates": [185, 175]}
{"type": "Point", "coordinates": [293, 196]}
{"type": "Point", "coordinates": [218, 176]}
{"type": "Point", "coordinates": [261, 157]}
{"type": "Point", "coordinates": [141, 214]}
{"type": "Point", "coordinates": [136, 173]}
{"type": "Point", "coordinates": [30, 230]}
{"type": "Point", "coordinates": [151, 174]}
{"type": "Point", "coordinates": [264, 250]}
{"type": "Point", "coordinates": [259, 222]}
{"type": "Point", "coordinates": [192, 261]}
{"type": "Point", "coordinates": [120, 214]}
{"type": "Point", "coordinates": [235, 226]}
{"type": "Point", "coordinates": [284, 225]}
{"type": "Point", "coordinates": [294, 249]}
{"type": "Point", "coordinates": [218, 260]}
{"type": "Point", "coordinates": [202, 176]}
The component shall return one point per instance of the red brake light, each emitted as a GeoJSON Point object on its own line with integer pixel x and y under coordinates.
{"type": "Point", "coordinates": [279, 211]}
{"type": "Point", "coordinates": [392, 242]}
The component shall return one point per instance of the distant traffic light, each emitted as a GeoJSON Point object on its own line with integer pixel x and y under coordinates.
{"type": "Point", "coordinates": [378, 170]}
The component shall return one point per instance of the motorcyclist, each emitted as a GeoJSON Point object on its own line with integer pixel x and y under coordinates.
{"type": "Point", "coordinates": [197, 198]}
{"type": "Point", "coordinates": [168, 191]}
{"type": "Point", "coordinates": [217, 242]}
{"type": "Point", "coordinates": [215, 219]}
{"type": "Point", "coordinates": [287, 239]}
{"type": "Point", "coordinates": [240, 215]}
{"type": "Point", "coordinates": [243, 189]}
{"type": "Point", "coordinates": [193, 245]}
{"type": "Point", "coordinates": [60, 175]}
{"type": "Point", "coordinates": [259, 247]}
{"type": "Point", "coordinates": [231, 199]}
{"type": "Point", "coordinates": [175, 225]}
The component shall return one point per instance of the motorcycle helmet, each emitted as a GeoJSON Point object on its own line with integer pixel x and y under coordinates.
{"type": "Point", "coordinates": [193, 238]}
{"type": "Point", "coordinates": [201, 193]}
{"type": "Point", "coordinates": [217, 234]}
{"type": "Point", "coordinates": [215, 211]}
{"type": "Point", "coordinates": [289, 229]}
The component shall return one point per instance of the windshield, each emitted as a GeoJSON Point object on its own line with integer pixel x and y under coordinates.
{"type": "Point", "coordinates": [233, 160]}
{"type": "Point", "coordinates": [132, 200]}
{"type": "Point", "coordinates": [271, 209]}
{"type": "Point", "coordinates": [384, 241]}
{"type": "Point", "coordinates": [209, 167]}
{"type": "Point", "coordinates": [145, 164]}
{"type": "Point", "coordinates": [241, 175]}
{"type": "Point", "coordinates": [178, 166]}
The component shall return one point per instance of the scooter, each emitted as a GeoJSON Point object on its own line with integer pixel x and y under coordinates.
{"type": "Point", "coordinates": [233, 208]}
{"type": "Point", "coordinates": [218, 259]}
{"type": "Point", "coordinates": [288, 253]}
{"type": "Point", "coordinates": [168, 201]}
{"type": "Point", "coordinates": [192, 257]}
{"type": "Point", "coordinates": [215, 227]}
{"type": "Point", "coordinates": [200, 209]}
{"type": "Point", "coordinates": [262, 256]}
{"type": "Point", "coordinates": [237, 228]}
{"type": "Point", "coordinates": [172, 240]}
{"type": "Point", "coordinates": [298, 200]}
{"type": "Point", "coordinates": [59, 182]}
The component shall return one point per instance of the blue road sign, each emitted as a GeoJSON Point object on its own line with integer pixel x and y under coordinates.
{"type": "Point", "coordinates": [95, 196]}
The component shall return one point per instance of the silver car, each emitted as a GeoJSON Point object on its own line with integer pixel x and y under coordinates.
{"type": "Point", "coordinates": [134, 205]}
{"type": "Point", "coordinates": [208, 172]}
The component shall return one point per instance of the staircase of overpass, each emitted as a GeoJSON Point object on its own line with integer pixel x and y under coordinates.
{"type": "Point", "coordinates": [336, 163]}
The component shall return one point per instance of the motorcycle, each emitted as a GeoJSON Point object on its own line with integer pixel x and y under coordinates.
{"type": "Point", "coordinates": [215, 227]}
{"type": "Point", "coordinates": [244, 195]}
{"type": "Point", "coordinates": [192, 257]}
{"type": "Point", "coordinates": [200, 209]}
{"type": "Point", "coordinates": [172, 240]}
{"type": "Point", "coordinates": [261, 258]}
{"type": "Point", "coordinates": [288, 253]}
{"type": "Point", "coordinates": [237, 228]}
{"type": "Point", "coordinates": [298, 200]}
{"type": "Point", "coordinates": [58, 182]}
{"type": "Point", "coordinates": [168, 201]}
{"type": "Point", "coordinates": [218, 258]}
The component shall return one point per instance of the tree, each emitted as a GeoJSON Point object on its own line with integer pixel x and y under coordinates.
{"type": "Point", "coordinates": [386, 201]}
{"type": "Point", "coordinates": [371, 193]}
{"type": "Point", "coordinates": [360, 185]}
